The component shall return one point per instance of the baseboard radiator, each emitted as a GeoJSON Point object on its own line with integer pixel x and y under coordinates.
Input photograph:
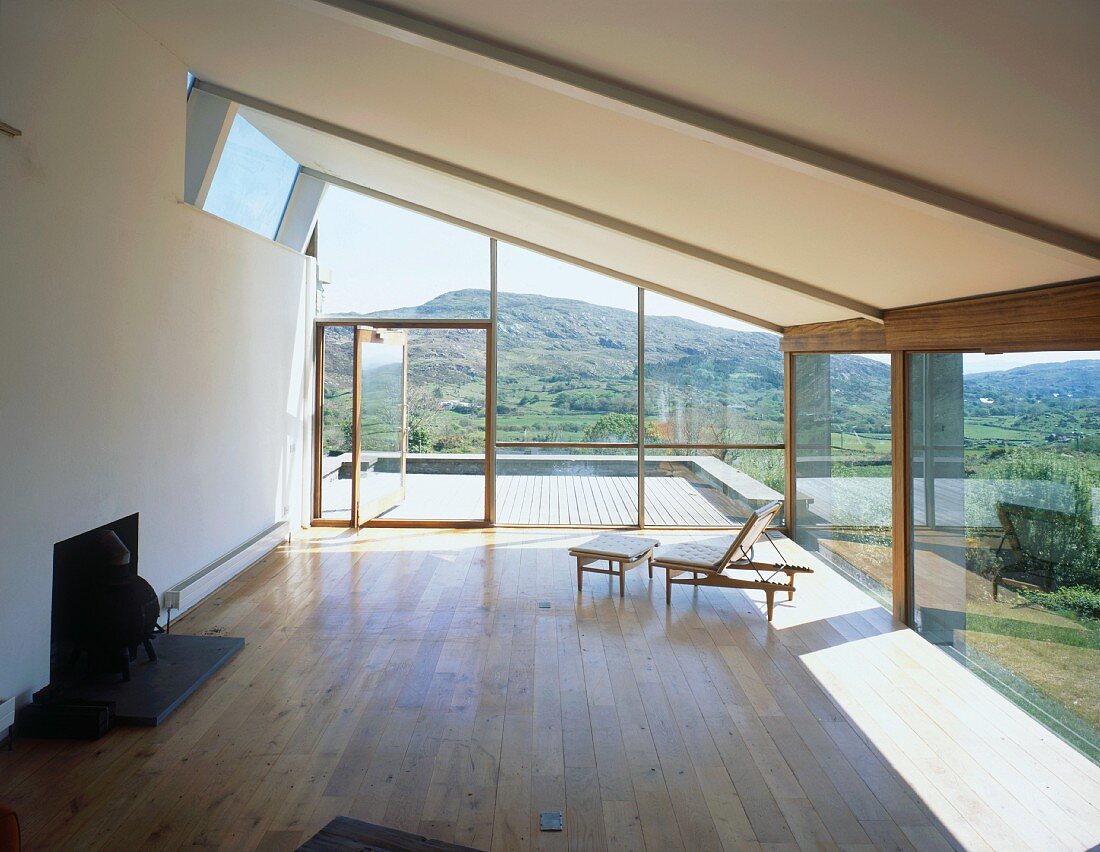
{"type": "Point", "coordinates": [188, 592]}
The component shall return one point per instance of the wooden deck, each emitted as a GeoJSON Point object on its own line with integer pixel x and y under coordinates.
{"type": "Point", "coordinates": [408, 678]}
{"type": "Point", "coordinates": [557, 500]}
{"type": "Point", "coordinates": [607, 501]}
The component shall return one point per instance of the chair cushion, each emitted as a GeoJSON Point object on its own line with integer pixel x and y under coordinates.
{"type": "Point", "coordinates": [9, 830]}
{"type": "Point", "coordinates": [615, 546]}
{"type": "Point", "coordinates": [706, 555]}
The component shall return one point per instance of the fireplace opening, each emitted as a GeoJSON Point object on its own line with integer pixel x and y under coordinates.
{"type": "Point", "coordinates": [103, 611]}
{"type": "Point", "coordinates": [106, 667]}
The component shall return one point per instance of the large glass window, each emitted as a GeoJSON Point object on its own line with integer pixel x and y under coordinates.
{"type": "Point", "coordinates": [709, 379]}
{"type": "Point", "coordinates": [567, 356]}
{"type": "Point", "coordinates": [712, 386]}
{"type": "Point", "coordinates": [687, 486]}
{"type": "Point", "coordinates": [252, 182]}
{"type": "Point", "coordinates": [445, 432]}
{"type": "Point", "coordinates": [842, 464]}
{"type": "Point", "coordinates": [1006, 525]}
{"type": "Point", "coordinates": [381, 260]}
{"type": "Point", "coordinates": [567, 352]}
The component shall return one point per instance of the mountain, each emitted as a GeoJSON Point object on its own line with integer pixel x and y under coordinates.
{"type": "Point", "coordinates": [544, 336]}
{"type": "Point", "coordinates": [563, 363]}
{"type": "Point", "coordinates": [1068, 379]}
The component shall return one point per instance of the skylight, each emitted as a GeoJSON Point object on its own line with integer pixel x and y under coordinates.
{"type": "Point", "coordinates": [253, 181]}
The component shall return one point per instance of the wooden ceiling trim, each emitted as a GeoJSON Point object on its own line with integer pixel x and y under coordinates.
{"type": "Point", "coordinates": [1063, 316]}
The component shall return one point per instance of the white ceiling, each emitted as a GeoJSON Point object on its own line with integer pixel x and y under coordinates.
{"type": "Point", "coordinates": [999, 106]}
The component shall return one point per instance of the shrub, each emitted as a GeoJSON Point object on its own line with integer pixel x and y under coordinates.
{"type": "Point", "coordinates": [1082, 600]}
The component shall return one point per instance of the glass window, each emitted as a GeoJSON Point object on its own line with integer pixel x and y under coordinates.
{"type": "Point", "coordinates": [567, 352]}
{"type": "Point", "coordinates": [253, 180]}
{"type": "Point", "coordinates": [336, 423]}
{"type": "Point", "coordinates": [709, 488]}
{"type": "Point", "coordinates": [709, 379]}
{"type": "Point", "coordinates": [445, 463]}
{"type": "Point", "coordinates": [1006, 525]}
{"type": "Point", "coordinates": [843, 465]}
{"type": "Point", "coordinates": [381, 260]}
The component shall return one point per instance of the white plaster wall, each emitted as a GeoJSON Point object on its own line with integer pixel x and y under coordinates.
{"type": "Point", "coordinates": [152, 357]}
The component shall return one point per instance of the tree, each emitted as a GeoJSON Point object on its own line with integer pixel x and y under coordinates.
{"type": "Point", "coordinates": [616, 427]}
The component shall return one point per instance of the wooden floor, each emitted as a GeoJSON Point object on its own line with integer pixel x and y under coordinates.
{"type": "Point", "coordinates": [410, 679]}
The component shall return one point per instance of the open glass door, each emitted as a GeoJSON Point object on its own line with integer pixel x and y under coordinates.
{"type": "Point", "coordinates": [381, 422]}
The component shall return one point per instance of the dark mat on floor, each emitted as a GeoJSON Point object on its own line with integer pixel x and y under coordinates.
{"type": "Point", "coordinates": [183, 664]}
{"type": "Point", "coordinates": [344, 833]}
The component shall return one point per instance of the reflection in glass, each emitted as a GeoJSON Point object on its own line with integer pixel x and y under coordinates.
{"type": "Point", "coordinates": [709, 488]}
{"type": "Point", "coordinates": [709, 379]}
{"type": "Point", "coordinates": [1006, 528]}
{"type": "Point", "coordinates": [253, 180]}
{"type": "Point", "coordinates": [842, 466]}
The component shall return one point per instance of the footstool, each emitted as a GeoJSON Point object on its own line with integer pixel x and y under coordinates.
{"type": "Point", "coordinates": [626, 551]}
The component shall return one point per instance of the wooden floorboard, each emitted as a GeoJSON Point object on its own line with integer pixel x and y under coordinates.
{"type": "Point", "coordinates": [408, 678]}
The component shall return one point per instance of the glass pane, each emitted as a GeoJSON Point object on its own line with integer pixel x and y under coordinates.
{"type": "Point", "coordinates": [567, 352]}
{"type": "Point", "coordinates": [842, 466]}
{"type": "Point", "coordinates": [446, 426]}
{"type": "Point", "coordinates": [381, 260]}
{"type": "Point", "coordinates": [709, 488]}
{"type": "Point", "coordinates": [336, 423]}
{"type": "Point", "coordinates": [253, 180]}
{"type": "Point", "coordinates": [586, 486]}
{"type": "Point", "coordinates": [709, 379]}
{"type": "Point", "coordinates": [382, 424]}
{"type": "Point", "coordinates": [1006, 525]}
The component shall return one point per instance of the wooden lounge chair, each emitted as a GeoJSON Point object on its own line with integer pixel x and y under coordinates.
{"type": "Point", "coordinates": [710, 563]}
{"type": "Point", "coordinates": [1037, 541]}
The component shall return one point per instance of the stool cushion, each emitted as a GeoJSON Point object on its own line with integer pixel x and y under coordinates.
{"type": "Point", "coordinates": [614, 546]}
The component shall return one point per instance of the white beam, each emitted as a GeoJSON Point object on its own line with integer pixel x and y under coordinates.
{"type": "Point", "coordinates": [209, 119]}
{"type": "Point", "coordinates": [579, 83]}
{"type": "Point", "coordinates": [565, 208]}
{"type": "Point", "coordinates": [300, 214]}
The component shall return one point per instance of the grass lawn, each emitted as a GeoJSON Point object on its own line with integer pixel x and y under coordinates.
{"type": "Point", "coordinates": [1066, 674]}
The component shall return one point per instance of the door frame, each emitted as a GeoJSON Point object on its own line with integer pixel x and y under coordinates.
{"type": "Point", "coordinates": [396, 324]}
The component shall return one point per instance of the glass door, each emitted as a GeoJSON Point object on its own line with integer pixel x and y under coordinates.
{"type": "Point", "coordinates": [381, 424]}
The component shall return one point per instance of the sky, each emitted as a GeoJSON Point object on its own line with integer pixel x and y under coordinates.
{"type": "Point", "coordinates": [383, 256]}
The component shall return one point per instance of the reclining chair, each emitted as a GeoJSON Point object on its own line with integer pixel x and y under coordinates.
{"type": "Point", "coordinates": [712, 564]}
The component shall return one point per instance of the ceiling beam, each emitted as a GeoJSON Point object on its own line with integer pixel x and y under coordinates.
{"type": "Point", "coordinates": [502, 237]}
{"type": "Point", "coordinates": [548, 202]}
{"type": "Point", "coordinates": [694, 121]}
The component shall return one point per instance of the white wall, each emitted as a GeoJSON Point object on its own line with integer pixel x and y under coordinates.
{"type": "Point", "coordinates": [152, 357]}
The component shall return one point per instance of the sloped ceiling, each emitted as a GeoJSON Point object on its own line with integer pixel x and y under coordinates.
{"type": "Point", "coordinates": [1000, 107]}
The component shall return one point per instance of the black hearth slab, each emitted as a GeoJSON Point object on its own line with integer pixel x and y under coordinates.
{"type": "Point", "coordinates": [156, 689]}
